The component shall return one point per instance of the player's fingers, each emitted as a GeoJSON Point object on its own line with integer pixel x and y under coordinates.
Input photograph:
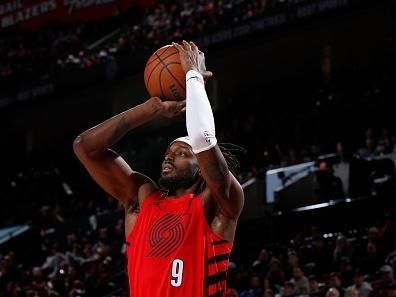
{"type": "Point", "coordinates": [208, 74]}
{"type": "Point", "coordinates": [194, 47]}
{"type": "Point", "coordinates": [187, 46]}
{"type": "Point", "coordinates": [177, 46]}
{"type": "Point", "coordinates": [182, 104]}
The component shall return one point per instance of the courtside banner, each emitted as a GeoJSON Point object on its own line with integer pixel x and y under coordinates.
{"type": "Point", "coordinates": [29, 14]}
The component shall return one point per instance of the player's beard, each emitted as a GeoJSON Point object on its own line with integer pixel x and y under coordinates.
{"type": "Point", "coordinates": [182, 180]}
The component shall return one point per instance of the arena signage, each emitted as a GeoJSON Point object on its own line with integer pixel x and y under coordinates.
{"type": "Point", "coordinates": [30, 14]}
{"type": "Point", "coordinates": [305, 8]}
{"type": "Point", "coordinates": [20, 13]}
{"type": "Point", "coordinates": [81, 4]}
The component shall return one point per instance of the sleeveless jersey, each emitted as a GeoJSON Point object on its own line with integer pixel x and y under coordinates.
{"type": "Point", "coordinates": [173, 252]}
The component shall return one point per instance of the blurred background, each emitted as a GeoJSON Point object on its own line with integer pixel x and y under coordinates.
{"type": "Point", "coordinates": [304, 86]}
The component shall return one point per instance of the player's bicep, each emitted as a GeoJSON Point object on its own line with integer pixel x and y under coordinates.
{"type": "Point", "coordinates": [113, 174]}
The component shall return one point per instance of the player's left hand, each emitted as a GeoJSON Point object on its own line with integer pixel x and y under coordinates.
{"type": "Point", "coordinates": [192, 58]}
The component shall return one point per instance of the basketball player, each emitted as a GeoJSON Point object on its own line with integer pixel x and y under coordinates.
{"type": "Point", "coordinates": [179, 239]}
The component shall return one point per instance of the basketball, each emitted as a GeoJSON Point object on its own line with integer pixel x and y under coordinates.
{"type": "Point", "coordinates": [164, 76]}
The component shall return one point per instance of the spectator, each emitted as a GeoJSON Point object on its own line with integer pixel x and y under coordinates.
{"type": "Point", "coordinates": [342, 250]}
{"type": "Point", "coordinates": [300, 281]}
{"type": "Point", "coordinates": [364, 288]}
{"type": "Point", "coordinates": [293, 260]}
{"type": "Point", "coordinates": [335, 282]}
{"type": "Point", "coordinates": [53, 261]}
{"type": "Point", "coordinates": [260, 265]}
{"type": "Point", "coordinates": [314, 289]}
{"type": "Point", "coordinates": [385, 283]}
{"type": "Point", "coordinates": [368, 151]}
{"type": "Point", "coordinates": [351, 292]}
{"type": "Point", "coordinates": [268, 293]}
{"type": "Point", "coordinates": [287, 290]}
{"type": "Point", "coordinates": [332, 292]}
{"type": "Point", "coordinates": [275, 275]}
{"type": "Point", "coordinates": [386, 142]}
{"type": "Point", "coordinates": [346, 272]}
{"type": "Point", "coordinates": [255, 289]}
{"type": "Point", "coordinates": [320, 254]}
{"type": "Point", "coordinates": [371, 260]}
{"type": "Point", "coordinates": [391, 257]}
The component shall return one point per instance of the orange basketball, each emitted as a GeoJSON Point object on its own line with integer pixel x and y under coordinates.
{"type": "Point", "coordinates": [164, 76]}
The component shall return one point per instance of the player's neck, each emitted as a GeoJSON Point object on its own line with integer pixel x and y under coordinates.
{"type": "Point", "coordinates": [182, 192]}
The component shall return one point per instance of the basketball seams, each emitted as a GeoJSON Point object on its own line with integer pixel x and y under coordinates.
{"type": "Point", "coordinates": [157, 58]}
{"type": "Point", "coordinates": [153, 88]}
{"type": "Point", "coordinates": [172, 63]}
{"type": "Point", "coordinates": [166, 66]}
{"type": "Point", "coordinates": [160, 55]}
{"type": "Point", "coordinates": [160, 82]}
{"type": "Point", "coordinates": [153, 57]}
{"type": "Point", "coordinates": [151, 72]}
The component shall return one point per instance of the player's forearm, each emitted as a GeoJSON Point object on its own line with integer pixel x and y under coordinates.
{"type": "Point", "coordinates": [199, 116]}
{"type": "Point", "coordinates": [97, 139]}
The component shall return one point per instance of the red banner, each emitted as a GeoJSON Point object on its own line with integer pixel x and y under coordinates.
{"type": "Point", "coordinates": [29, 14]}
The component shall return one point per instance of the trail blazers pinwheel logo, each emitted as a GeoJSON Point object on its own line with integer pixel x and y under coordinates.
{"type": "Point", "coordinates": [166, 235]}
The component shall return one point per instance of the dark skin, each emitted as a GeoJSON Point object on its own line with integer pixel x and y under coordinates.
{"type": "Point", "coordinates": [222, 197]}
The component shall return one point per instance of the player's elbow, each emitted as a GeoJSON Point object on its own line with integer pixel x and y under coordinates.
{"type": "Point", "coordinates": [84, 148]}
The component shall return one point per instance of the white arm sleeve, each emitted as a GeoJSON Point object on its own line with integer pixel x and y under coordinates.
{"type": "Point", "coordinates": [199, 115]}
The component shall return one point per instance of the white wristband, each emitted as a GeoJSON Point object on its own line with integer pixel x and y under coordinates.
{"type": "Point", "coordinates": [192, 74]}
{"type": "Point", "coordinates": [199, 115]}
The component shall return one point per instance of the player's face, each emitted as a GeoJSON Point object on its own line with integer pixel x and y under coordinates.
{"type": "Point", "coordinates": [179, 168]}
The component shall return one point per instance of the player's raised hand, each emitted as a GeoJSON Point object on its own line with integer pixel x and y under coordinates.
{"type": "Point", "coordinates": [192, 58]}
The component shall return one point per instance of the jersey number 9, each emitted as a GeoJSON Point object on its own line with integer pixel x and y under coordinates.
{"type": "Point", "coordinates": [177, 273]}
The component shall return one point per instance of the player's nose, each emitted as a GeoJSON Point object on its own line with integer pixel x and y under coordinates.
{"type": "Point", "coordinates": [169, 158]}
